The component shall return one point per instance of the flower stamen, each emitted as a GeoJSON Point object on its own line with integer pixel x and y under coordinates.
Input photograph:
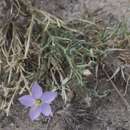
{"type": "Point", "coordinates": [38, 102]}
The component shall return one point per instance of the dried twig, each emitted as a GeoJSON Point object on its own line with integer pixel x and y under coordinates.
{"type": "Point", "coordinates": [126, 87]}
{"type": "Point", "coordinates": [117, 90]}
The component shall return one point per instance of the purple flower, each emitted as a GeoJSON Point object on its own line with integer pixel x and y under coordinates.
{"type": "Point", "coordinates": [38, 101]}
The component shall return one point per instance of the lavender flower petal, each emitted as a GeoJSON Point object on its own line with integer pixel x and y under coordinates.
{"type": "Point", "coordinates": [36, 90]}
{"type": "Point", "coordinates": [46, 110]}
{"type": "Point", "coordinates": [34, 112]}
{"type": "Point", "coordinates": [48, 97]}
{"type": "Point", "coordinates": [27, 100]}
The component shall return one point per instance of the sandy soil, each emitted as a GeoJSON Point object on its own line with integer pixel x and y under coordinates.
{"type": "Point", "coordinates": [109, 10]}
